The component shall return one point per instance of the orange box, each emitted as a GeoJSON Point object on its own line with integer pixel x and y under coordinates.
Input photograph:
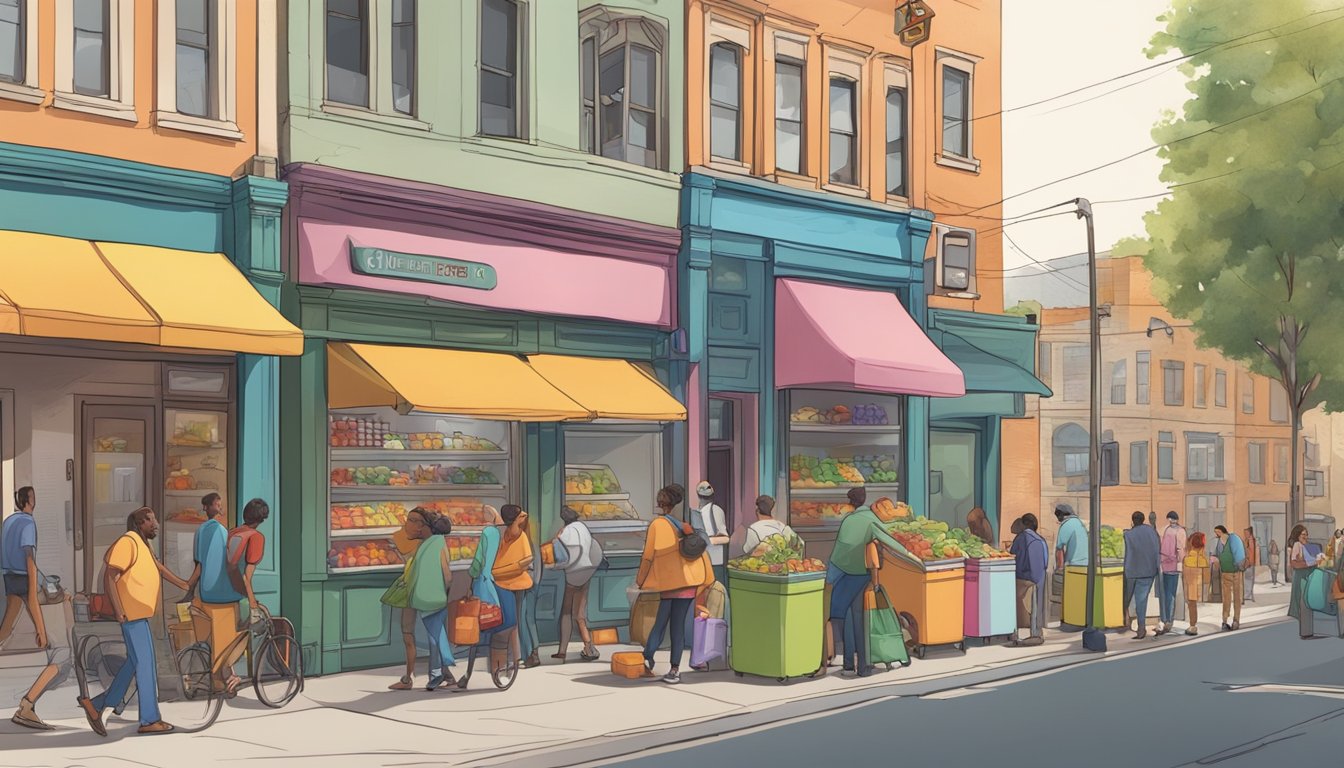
{"type": "Point", "coordinates": [627, 664]}
{"type": "Point", "coordinates": [608, 636]}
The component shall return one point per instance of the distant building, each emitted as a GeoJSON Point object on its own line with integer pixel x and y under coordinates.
{"type": "Point", "coordinates": [1183, 428]}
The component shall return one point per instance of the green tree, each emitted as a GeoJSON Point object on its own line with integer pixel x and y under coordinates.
{"type": "Point", "coordinates": [1250, 245]}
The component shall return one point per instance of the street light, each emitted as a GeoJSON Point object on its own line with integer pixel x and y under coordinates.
{"type": "Point", "coordinates": [1158, 324]}
{"type": "Point", "coordinates": [1093, 637]}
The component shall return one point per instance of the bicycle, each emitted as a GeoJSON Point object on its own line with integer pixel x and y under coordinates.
{"type": "Point", "coordinates": [274, 665]}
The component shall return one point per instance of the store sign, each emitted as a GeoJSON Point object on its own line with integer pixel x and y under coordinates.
{"type": "Point", "coordinates": [408, 266]}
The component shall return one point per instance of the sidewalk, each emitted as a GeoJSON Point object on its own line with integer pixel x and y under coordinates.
{"type": "Point", "coordinates": [554, 715]}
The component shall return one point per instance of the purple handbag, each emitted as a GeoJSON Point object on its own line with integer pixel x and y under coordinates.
{"type": "Point", "coordinates": [709, 642]}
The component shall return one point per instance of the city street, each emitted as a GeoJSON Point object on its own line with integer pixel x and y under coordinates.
{"type": "Point", "coordinates": [1258, 697]}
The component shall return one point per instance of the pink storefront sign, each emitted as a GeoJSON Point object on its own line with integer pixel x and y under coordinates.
{"type": "Point", "coordinates": [524, 278]}
{"type": "Point", "coordinates": [833, 337]}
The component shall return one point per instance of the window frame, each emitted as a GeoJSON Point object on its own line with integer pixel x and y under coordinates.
{"type": "Point", "coordinates": [940, 279]}
{"type": "Point", "coordinates": [1143, 377]}
{"type": "Point", "coordinates": [803, 104]}
{"type": "Point", "coordinates": [119, 104]}
{"type": "Point", "coordinates": [1255, 461]}
{"type": "Point", "coordinates": [1201, 385]}
{"type": "Point", "coordinates": [1109, 453]}
{"type": "Point", "coordinates": [1282, 463]}
{"type": "Point", "coordinates": [1204, 457]}
{"type": "Point", "coordinates": [1166, 443]}
{"type": "Point", "coordinates": [520, 84]}
{"type": "Point", "coordinates": [413, 72]}
{"type": "Point", "coordinates": [1119, 381]}
{"type": "Point", "coordinates": [1313, 483]}
{"type": "Point", "coordinates": [1247, 393]}
{"type": "Point", "coordinates": [842, 80]}
{"type": "Point", "coordinates": [1073, 351]}
{"type": "Point", "coordinates": [1071, 459]}
{"type": "Point", "coordinates": [1138, 468]}
{"type": "Point", "coordinates": [26, 89]}
{"type": "Point", "coordinates": [1174, 399]}
{"type": "Point", "coordinates": [1278, 398]}
{"type": "Point", "coordinates": [904, 193]}
{"type": "Point", "coordinates": [1219, 388]}
{"type": "Point", "coordinates": [739, 140]}
{"type": "Point", "coordinates": [369, 53]}
{"type": "Point", "coordinates": [965, 64]}
{"type": "Point", "coordinates": [224, 74]}
{"type": "Point", "coordinates": [608, 33]}
{"type": "Point", "coordinates": [1045, 369]}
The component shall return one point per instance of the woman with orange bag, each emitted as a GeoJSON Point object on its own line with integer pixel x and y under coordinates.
{"type": "Point", "coordinates": [512, 574]}
{"type": "Point", "coordinates": [679, 580]}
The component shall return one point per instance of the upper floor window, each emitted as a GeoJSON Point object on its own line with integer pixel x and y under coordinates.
{"type": "Point", "coordinates": [1278, 403]}
{"type": "Point", "coordinates": [1173, 382]}
{"type": "Point", "coordinates": [196, 40]}
{"type": "Point", "coordinates": [1044, 365]}
{"type": "Point", "coordinates": [348, 52]}
{"type": "Point", "coordinates": [1118, 383]}
{"type": "Point", "coordinates": [789, 107]}
{"type": "Point", "coordinates": [1220, 388]}
{"type": "Point", "coordinates": [956, 256]}
{"type": "Point", "coordinates": [844, 129]}
{"type": "Point", "coordinates": [623, 90]}
{"type": "Point", "coordinates": [1247, 393]}
{"type": "Point", "coordinates": [501, 68]}
{"type": "Point", "coordinates": [93, 48]}
{"type": "Point", "coordinates": [1077, 365]}
{"type": "Point", "coordinates": [13, 40]}
{"type": "Point", "coordinates": [725, 101]}
{"type": "Point", "coordinates": [1143, 361]}
{"type": "Point", "coordinates": [896, 142]}
{"type": "Point", "coordinates": [403, 56]}
{"type": "Point", "coordinates": [1201, 386]}
{"type": "Point", "coordinates": [956, 112]}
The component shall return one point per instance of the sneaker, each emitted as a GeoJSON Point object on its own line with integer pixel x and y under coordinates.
{"type": "Point", "coordinates": [92, 714]}
{"type": "Point", "coordinates": [672, 677]}
{"type": "Point", "coordinates": [1192, 631]}
{"type": "Point", "coordinates": [155, 728]}
{"type": "Point", "coordinates": [1227, 627]}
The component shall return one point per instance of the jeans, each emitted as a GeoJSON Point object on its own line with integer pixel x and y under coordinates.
{"type": "Point", "coordinates": [672, 612]}
{"type": "Point", "coordinates": [846, 617]}
{"type": "Point", "coordinates": [1139, 589]}
{"type": "Point", "coordinates": [1167, 597]}
{"type": "Point", "coordinates": [528, 640]}
{"type": "Point", "coordinates": [440, 652]}
{"type": "Point", "coordinates": [140, 666]}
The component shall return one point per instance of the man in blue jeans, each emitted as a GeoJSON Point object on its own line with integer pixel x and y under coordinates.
{"type": "Point", "coordinates": [1173, 555]}
{"type": "Point", "coordinates": [1142, 549]}
{"type": "Point", "coordinates": [132, 580]}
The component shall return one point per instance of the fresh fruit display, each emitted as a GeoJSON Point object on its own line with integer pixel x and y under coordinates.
{"type": "Point", "coordinates": [356, 432]}
{"type": "Point", "coordinates": [778, 555]}
{"type": "Point", "coordinates": [975, 547]}
{"type": "Point", "coordinates": [591, 482]}
{"type": "Point", "coordinates": [424, 474]}
{"type": "Point", "coordinates": [864, 415]}
{"type": "Point", "coordinates": [1112, 543]}
{"type": "Point", "coordinates": [194, 434]}
{"type": "Point", "coordinates": [462, 548]}
{"type": "Point", "coordinates": [815, 513]}
{"type": "Point", "coordinates": [888, 510]}
{"type": "Point", "coordinates": [812, 472]}
{"type": "Point", "coordinates": [605, 510]}
{"type": "Point", "coordinates": [878, 469]}
{"type": "Point", "coordinates": [371, 433]}
{"type": "Point", "coordinates": [463, 512]}
{"type": "Point", "coordinates": [363, 554]}
{"type": "Point", "coordinates": [926, 539]}
{"type": "Point", "coordinates": [386, 514]}
{"type": "Point", "coordinates": [181, 480]}
{"type": "Point", "coordinates": [110, 444]}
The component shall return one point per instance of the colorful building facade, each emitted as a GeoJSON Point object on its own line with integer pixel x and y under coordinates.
{"type": "Point", "coordinates": [140, 244]}
{"type": "Point", "coordinates": [832, 266]}
{"type": "Point", "coordinates": [483, 246]}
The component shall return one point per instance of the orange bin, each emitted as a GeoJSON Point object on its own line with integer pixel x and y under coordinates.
{"type": "Point", "coordinates": [931, 600]}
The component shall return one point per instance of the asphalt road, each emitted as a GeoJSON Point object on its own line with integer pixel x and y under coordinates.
{"type": "Point", "coordinates": [1254, 698]}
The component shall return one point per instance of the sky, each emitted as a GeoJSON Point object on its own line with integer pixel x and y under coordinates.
{"type": "Point", "coordinates": [1055, 46]}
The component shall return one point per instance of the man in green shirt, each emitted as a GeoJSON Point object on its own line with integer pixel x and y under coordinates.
{"type": "Point", "coordinates": [849, 575]}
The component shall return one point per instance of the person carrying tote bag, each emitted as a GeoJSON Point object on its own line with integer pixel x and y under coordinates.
{"type": "Point", "coordinates": [483, 583]}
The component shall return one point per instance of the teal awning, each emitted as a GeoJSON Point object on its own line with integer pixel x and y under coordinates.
{"type": "Point", "coordinates": [986, 371]}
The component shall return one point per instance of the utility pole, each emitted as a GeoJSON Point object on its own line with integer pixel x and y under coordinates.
{"type": "Point", "coordinates": [1093, 637]}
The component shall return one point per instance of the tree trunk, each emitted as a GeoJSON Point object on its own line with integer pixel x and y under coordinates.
{"type": "Point", "coordinates": [1294, 487]}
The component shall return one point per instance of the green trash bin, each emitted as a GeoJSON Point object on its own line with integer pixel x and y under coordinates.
{"type": "Point", "coordinates": [777, 624]}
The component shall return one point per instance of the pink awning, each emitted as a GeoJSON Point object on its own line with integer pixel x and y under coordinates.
{"type": "Point", "coordinates": [829, 337]}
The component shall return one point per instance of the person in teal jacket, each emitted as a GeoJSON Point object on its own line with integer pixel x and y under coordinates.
{"type": "Point", "coordinates": [430, 581]}
{"type": "Point", "coordinates": [848, 574]}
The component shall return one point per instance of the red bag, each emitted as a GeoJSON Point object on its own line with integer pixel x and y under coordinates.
{"type": "Point", "coordinates": [100, 608]}
{"type": "Point", "coordinates": [491, 615]}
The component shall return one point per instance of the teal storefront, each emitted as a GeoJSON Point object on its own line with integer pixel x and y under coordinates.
{"type": "Point", "coordinates": [997, 354]}
{"type": "Point", "coordinates": [806, 350]}
{"type": "Point", "coordinates": [144, 415]}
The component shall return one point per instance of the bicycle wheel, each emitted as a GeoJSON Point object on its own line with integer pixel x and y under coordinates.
{"type": "Point", "coordinates": [198, 700]}
{"type": "Point", "coordinates": [504, 677]}
{"type": "Point", "coordinates": [277, 674]}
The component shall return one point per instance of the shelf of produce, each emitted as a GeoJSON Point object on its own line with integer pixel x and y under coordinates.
{"type": "Point", "coordinates": [196, 446]}
{"type": "Point", "coordinates": [824, 525]}
{"type": "Point", "coordinates": [801, 426]}
{"type": "Point", "coordinates": [597, 497]}
{"type": "Point", "coordinates": [616, 526]}
{"type": "Point", "coordinates": [194, 494]}
{"type": "Point", "coordinates": [395, 568]}
{"type": "Point", "coordinates": [389, 492]}
{"type": "Point", "coordinates": [380, 454]}
{"type": "Point", "coordinates": [377, 533]}
{"type": "Point", "coordinates": [874, 489]}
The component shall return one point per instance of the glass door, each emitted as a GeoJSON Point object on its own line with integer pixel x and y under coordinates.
{"type": "Point", "coordinates": [953, 469]}
{"type": "Point", "coordinates": [196, 463]}
{"type": "Point", "coordinates": [118, 457]}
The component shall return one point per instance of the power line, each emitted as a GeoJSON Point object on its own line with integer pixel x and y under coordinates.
{"type": "Point", "coordinates": [1169, 62]}
{"type": "Point", "coordinates": [1059, 275]}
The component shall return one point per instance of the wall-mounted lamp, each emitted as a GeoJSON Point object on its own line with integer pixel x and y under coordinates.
{"type": "Point", "coordinates": [1157, 324]}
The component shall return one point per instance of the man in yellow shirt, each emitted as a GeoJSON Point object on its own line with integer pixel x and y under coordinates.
{"type": "Point", "coordinates": [132, 580]}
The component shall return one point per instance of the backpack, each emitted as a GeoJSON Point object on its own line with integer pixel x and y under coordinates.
{"type": "Point", "coordinates": [233, 562]}
{"type": "Point", "coordinates": [691, 545]}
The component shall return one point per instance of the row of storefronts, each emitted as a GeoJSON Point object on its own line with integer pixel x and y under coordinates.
{"type": "Point", "coordinates": [387, 344]}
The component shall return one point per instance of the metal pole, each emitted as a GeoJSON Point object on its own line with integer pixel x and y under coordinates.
{"type": "Point", "coordinates": [1093, 637]}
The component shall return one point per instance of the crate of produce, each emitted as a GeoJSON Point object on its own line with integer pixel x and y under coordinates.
{"type": "Point", "coordinates": [1109, 609]}
{"type": "Point", "coordinates": [930, 599]}
{"type": "Point", "coordinates": [777, 623]}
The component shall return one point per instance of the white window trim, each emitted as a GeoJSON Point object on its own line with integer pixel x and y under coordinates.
{"type": "Point", "coordinates": [942, 231]}
{"type": "Point", "coordinates": [120, 103]}
{"type": "Point", "coordinates": [28, 91]}
{"type": "Point", "coordinates": [722, 29]}
{"type": "Point", "coordinates": [966, 63]}
{"type": "Point", "coordinates": [846, 64]}
{"type": "Point", "coordinates": [896, 75]}
{"type": "Point", "coordinates": [382, 104]}
{"type": "Point", "coordinates": [794, 47]}
{"type": "Point", "coordinates": [526, 24]}
{"type": "Point", "coordinates": [224, 62]}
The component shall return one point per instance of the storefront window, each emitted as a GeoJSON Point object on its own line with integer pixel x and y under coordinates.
{"type": "Point", "coordinates": [384, 464]}
{"type": "Point", "coordinates": [839, 441]}
{"type": "Point", "coordinates": [612, 474]}
{"type": "Point", "coordinates": [196, 460]}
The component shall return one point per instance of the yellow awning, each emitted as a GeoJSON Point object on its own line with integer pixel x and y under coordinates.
{"type": "Point", "coordinates": [62, 287]}
{"type": "Point", "coordinates": [484, 385]}
{"type": "Point", "coordinates": [610, 389]}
